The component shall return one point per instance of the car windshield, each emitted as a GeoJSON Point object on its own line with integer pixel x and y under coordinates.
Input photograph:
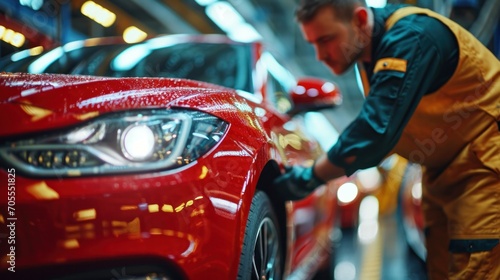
{"type": "Point", "coordinates": [228, 65]}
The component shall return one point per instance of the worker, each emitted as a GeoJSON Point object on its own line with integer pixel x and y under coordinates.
{"type": "Point", "coordinates": [433, 97]}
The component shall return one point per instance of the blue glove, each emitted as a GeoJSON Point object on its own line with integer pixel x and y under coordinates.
{"type": "Point", "coordinates": [297, 183]}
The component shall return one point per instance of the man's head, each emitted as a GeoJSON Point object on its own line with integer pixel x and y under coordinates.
{"type": "Point", "coordinates": [339, 30]}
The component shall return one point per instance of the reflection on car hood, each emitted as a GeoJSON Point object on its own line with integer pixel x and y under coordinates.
{"type": "Point", "coordinates": [46, 101]}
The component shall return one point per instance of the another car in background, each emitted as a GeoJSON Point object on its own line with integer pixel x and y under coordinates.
{"type": "Point", "coordinates": [135, 176]}
{"type": "Point", "coordinates": [382, 182]}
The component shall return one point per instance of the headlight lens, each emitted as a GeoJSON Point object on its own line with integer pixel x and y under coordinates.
{"type": "Point", "coordinates": [119, 143]}
{"type": "Point", "coordinates": [138, 142]}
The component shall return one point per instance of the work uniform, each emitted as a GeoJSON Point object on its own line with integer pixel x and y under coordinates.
{"type": "Point", "coordinates": [433, 97]}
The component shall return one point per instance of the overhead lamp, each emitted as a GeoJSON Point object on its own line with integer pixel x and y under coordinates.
{"type": "Point", "coordinates": [33, 4]}
{"type": "Point", "coordinates": [205, 2]}
{"type": "Point", "coordinates": [12, 37]}
{"type": "Point", "coordinates": [98, 13]}
{"type": "Point", "coordinates": [133, 34]}
{"type": "Point", "coordinates": [17, 39]}
{"type": "Point", "coordinates": [224, 15]}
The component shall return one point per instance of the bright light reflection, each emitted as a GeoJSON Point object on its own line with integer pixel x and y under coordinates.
{"type": "Point", "coordinates": [8, 35]}
{"type": "Point", "coordinates": [376, 3]}
{"type": "Point", "coordinates": [138, 142]}
{"type": "Point", "coordinates": [300, 90]}
{"type": "Point", "coordinates": [359, 81]}
{"type": "Point", "coordinates": [18, 40]}
{"type": "Point", "coordinates": [347, 192]}
{"type": "Point", "coordinates": [327, 136]}
{"type": "Point", "coordinates": [12, 37]}
{"type": "Point", "coordinates": [416, 191]}
{"type": "Point", "coordinates": [276, 69]}
{"type": "Point", "coordinates": [85, 215]}
{"type": "Point", "coordinates": [241, 153]}
{"type": "Point", "coordinates": [312, 92]}
{"type": "Point", "coordinates": [71, 46]}
{"type": "Point", "coordinates": [290, 126]}
{"type": "Point", "coordinates": [368, 209]}
{"type": "Point", "coordinates": [368, 217]}
{"type": "Point", "coordinates": [244, 32]}
{"type": "Point", "coordinates": [260, 112]}
{"type": "Point", "coordinates": [127, 59]}
{"type": "Point", "coordinates": [367, 231]}
{"type": "Point", "coordinates": [42, 191]}
{"type": "Point", "coordinates": [224, 205]}
{"type": "Point", "coordinates": [328, 87]}
{"type": "Point", "coordinates": [29, 52]}
{"type": "Point", "coordinates": [98, 13]}
{"type": "Point", "coordinates": [369, 178]}
{"type": "Point", "coordinates": [153, 208]}
{"type": "Point", "coordinates": [205, 2]}
{"type": "Point", "coordinates": [344, 270]}
{"type": "Point", "coordinates": [224, 15]}
{"type": "Point", "coordinates": [204, 172]}
{"type": "Point", "coordinates": [167, 208]}
{"type": "Point", "coordinates": [81, 134]}
{"type": "Point", "coordinates": [70, 244]}
{"type": "Point", "coordinates": [33, 4]}
{"type": "Point", "coordinates": [38, 66]}
{"type": "Point", "coordinates": [132, 34]}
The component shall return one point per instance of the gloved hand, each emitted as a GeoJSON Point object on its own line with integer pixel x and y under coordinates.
{"type": "Point", "coordinates": [297, 183]}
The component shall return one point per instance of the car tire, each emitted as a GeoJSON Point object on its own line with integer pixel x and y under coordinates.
{"type": "Point", "coordinates": [261, 255]}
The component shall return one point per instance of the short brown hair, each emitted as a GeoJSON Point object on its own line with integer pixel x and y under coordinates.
{"type": "Point", "coordinates": [307, 9]}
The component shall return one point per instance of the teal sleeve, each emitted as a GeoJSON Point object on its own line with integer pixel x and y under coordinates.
{"type": "Point", "coordinates": [394, 95]}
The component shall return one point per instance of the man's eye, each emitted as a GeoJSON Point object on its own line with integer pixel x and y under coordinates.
{"type": "Point", "coordinates": [326, 39]}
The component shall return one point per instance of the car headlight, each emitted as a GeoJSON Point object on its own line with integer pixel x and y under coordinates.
{"type": "Point", "coordinates": [126, 142]}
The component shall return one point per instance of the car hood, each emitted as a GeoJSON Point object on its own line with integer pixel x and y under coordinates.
{"type": "Point", "coordinates": [31, 103]}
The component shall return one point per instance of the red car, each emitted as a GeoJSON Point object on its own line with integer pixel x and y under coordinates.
{"type": "Point", "coordinates": [411, 210]}
{"type": "Point", "coordinates": [129, 177]}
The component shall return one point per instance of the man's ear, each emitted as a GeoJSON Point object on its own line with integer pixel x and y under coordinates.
{"type": "Point", "coordinates": [360, 17]}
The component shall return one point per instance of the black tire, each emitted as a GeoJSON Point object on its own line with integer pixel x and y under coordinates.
{"type": "Point", "coordinates": [261, 255]}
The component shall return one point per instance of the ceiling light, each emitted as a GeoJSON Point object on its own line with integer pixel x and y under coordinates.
{"type": "Point", "coordinates": [133, 35]}
{"type": "Point", "coordinates": [98, 13]}
{"type": "Point", "coordinates": [12, 37]}
{"type": "Point", "coordinates": [224, 15]}
{"type": "Point", "coordinates": [205, 2]}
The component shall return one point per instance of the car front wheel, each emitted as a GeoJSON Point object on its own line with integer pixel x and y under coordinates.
{"type": "Point", "coordinates": [261, 254]}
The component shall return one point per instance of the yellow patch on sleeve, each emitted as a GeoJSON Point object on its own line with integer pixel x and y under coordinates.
{"type": "Point", "coordinates": [390, 63]}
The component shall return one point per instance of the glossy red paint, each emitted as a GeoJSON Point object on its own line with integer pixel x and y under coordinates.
{"type": "Point", "coordinates": [190, 220]}
{"type": "Point", "coordinates": [313, 92]}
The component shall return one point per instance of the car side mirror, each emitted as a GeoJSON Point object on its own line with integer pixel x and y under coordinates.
{"type": "Point", "coordinates": [311, 94]}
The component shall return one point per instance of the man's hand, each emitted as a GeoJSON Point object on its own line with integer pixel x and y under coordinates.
{"type": "Point", "coordinates": [297, 183]}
